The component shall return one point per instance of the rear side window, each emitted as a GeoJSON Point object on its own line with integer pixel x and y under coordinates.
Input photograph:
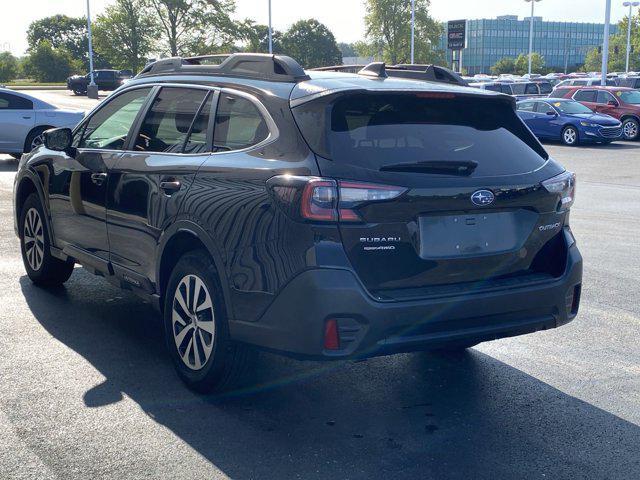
{"type": "Point", "coordinates": [14, 102]}
{"type": "Point", "coordinates": [492, 87]}
{"type": "Point", "coordinates": [373, 130]}
{"type": "Point", "coordinates": [239, 124]}
{"type": "Point", "coordinates": [167, 124]}
{"type": "Point", "coordinates": [545, 88]}
{"type": "Point", "coordinates": [518, 88]}
{"type": "Point", "coordinates": [585, 96]}
{"type": "Point", "coordinates": [526, 107]}
{"type": "Point", "coordinates": [531, 89]}
{"type": "Point", "coordinates": [109, 127]}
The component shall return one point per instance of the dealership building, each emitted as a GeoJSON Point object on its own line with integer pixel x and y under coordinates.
{"type": "Point", "coordinates": [562, 44]}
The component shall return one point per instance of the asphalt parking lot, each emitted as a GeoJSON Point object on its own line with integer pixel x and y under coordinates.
{"type": "Point", "coordinates": [88, 392]}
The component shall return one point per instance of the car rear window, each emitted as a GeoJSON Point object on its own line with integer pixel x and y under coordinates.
{"type": "Point", "coordinates": [373, 130]}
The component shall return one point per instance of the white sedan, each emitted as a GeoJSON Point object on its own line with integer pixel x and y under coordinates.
{"type": "Point", "coordinates": [24, 118]}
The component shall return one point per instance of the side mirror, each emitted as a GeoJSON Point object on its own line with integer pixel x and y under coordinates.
{"type": "Point", "coordinates": [612, 103]}
{"type": "Point", "coordinates": [58, 139]}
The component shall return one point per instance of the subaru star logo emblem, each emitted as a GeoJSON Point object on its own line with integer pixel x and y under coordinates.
{"type": "Point", "coordinates": [482, 197]}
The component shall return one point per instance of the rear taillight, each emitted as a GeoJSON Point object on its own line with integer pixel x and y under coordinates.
{"type": "Point", "coordinates": [328, 200]}
{"type": "Point", "coordinates": [564, 185]}
{"type": "Point", "coordinates": [319, 200]}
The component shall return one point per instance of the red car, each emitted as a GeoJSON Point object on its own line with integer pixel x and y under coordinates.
{"type": "Point", "coordinates": [619, 102]}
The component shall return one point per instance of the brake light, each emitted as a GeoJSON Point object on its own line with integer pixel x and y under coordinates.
{"type": "Point", "coordinates": [320, 200]}
{"type": "Point", "coordinates": [564, 185]}
{"type": "Point", "coordinates": [330, 201]}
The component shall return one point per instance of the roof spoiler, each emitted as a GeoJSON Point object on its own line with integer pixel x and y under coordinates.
{"type": "Point", "coordinates": [260, 66]}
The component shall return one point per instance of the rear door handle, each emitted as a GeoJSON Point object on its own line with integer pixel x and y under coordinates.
{"type": "Point", "coordinates": [98, 178]}
{"type": "Point", "coordinates": [170, 186]}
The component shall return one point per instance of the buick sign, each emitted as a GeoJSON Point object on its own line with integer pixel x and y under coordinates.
{"type": "Point", "coordinates": [482, 197]}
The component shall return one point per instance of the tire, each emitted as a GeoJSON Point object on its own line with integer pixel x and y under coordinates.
{"type": "Point", "coordinates": [196, 329]}
{"type": "Point", "coordinates": [35, 241]}
{"type": "Point", "coordinates": [34, 139]}
{"type": "Point", "coordinates": [630, 129]}
{"type": "Point", "coordinates": [78, 92]}
{"type": "Point", "coordinates": [569, 136]}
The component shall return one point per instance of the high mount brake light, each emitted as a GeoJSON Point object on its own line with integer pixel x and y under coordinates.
{"type": "Point", "coordinates": [564, 185]}
{"type": "Point", "coordinates": [330, 201]}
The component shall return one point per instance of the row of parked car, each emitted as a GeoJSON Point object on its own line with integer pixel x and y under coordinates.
{"type": "Point", "coordinates": [577, 109]}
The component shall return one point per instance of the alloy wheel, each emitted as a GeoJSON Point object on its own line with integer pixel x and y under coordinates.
{"type": "Point", "coordinates": [630, 129]}
{"type": "Point", "coordinates": [33, 237]}
{"type": "Point", "coordinates": [569, 136]}
{"type": "Point", "coordinates": [37, 141]}
{"type": "Point", "coordinates": [193, 322]}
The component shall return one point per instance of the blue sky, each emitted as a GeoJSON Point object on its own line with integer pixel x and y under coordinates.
{"type": "Point", "coordinates": [344, 17]}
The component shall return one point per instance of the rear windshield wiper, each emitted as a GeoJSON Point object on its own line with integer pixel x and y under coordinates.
{"type": "Point", "coordinates": [442, 167]}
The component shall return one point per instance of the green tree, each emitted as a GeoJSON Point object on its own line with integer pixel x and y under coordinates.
{"type": "Point", "coordinates": [504, 65]}
{"type": "Point", "coordinates": [127, 21]}
{"type": "Point", "coordinates": [312, 44]}
{"type": "Point", "coordinates": [388, 30]}
{"type": "Point", "coordinates": [522, 63]}
{"type": "Point", "coordinates": [8, 67]}
{"type": "Point", "coordinates": [347, 49]}
{"type": "Point", "coordinates": [47, 64]}
{"type": "Point", "coordinates": [60, 31]}
{"type": "Point", "coordinates": [194, 26]}
{"type": "Point", "coordinates": [257, 38]}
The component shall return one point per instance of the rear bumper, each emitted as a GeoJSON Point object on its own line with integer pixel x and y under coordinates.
{"type": "Point", "coordinates": [294, 323]}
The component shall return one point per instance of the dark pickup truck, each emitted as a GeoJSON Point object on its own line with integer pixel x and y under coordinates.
{"type": "Point", "coordinates": [105, 79]}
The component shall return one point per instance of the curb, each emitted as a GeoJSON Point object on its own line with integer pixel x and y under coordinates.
{"type": "Point", "coordinates": [37, 87]}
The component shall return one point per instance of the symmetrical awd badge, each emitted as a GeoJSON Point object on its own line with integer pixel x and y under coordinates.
{"type": "Point", "coordinates": [482, 197]}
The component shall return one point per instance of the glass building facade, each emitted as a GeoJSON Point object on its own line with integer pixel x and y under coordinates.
{"type": "Point", "coordinates": [562, 44]}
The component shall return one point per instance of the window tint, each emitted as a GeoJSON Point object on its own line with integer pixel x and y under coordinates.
{"type": "Point", "coordinates": [543, 107]}
{"type": "Point", "coordinates": [604, 97]}
{"type": "Point", "coordinates": [239, 124]}
{"type": "Point", "coordinates": [168, 121]}
{"type": "Point", "coordinates": [197, 142]}
{"type": "Point", "coordinates": [526, 107]}
{"type": "Point", "coordinates": [531, 88]}
{"type": "Point", "coordinates": [506, 89]}
{"type": "Point", "coordinates": [371, 131]}
{"type": "Point", "coordinates": [493, 87]}
{"type": "Point", "coordinates": [108, 127]}
{"type": "Point", "coordinates": [518, 88]}
{"type": "Point", "coordinates": [14, 102]}
{"type": "Point", "coordinates": [579, 82]}
{"type": "Point", "coordinates": [545, 88]}
{"type": "Point", "coordinates": [585, 96]}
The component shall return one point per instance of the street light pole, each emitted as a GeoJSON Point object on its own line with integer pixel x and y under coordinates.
{"type": "Point", "coordinates": [270, 31]}
{"type": "Point", "coordinates": [531, 32]}
{"type": "Point", "coordinates": [92, 89]}
{"type": "Point", "coordinates": [605, 44]}
{"type": "Point", "coordinates": [630, 5]}
{"type": "Point", "coordinates": [413, 28]}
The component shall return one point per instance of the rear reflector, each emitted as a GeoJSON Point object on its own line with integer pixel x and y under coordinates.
{"type": "Point", "coordinates": [331, 338]}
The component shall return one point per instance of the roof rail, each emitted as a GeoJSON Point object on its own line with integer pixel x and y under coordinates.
{"type": "Point", "coordinates": [431, 73]}
{"type": "Point", "coordinates": [260, 66]}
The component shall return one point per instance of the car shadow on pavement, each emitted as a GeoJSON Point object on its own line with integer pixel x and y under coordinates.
{"type": "Point", "coordinates": [8, 165]}
{"type": "Point", "coordinates": [412, 415]}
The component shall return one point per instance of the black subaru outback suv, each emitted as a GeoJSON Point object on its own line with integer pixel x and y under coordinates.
{"type": "Point", "coordinates": [322, 215]}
